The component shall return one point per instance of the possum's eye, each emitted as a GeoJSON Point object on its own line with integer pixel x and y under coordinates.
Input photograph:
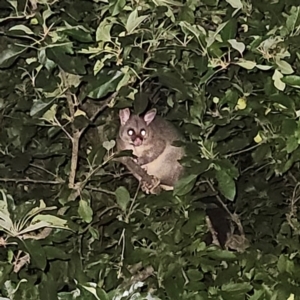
{"type": "Point", "coordinates": [143, 132]}
{"type": "Point", "coordinates": [130, 132]}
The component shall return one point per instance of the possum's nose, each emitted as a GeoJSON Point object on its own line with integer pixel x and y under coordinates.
{"type": "Point", "coordinates": [137, 141]}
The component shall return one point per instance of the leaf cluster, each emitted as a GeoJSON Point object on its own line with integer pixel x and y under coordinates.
{"type": "Point", "coordinates": [73, 222]}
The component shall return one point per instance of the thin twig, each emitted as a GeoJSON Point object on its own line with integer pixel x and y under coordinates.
{"type": "Point", "coordinates": [18, 180]}
{"type": "Point", "coordinates": [100, 109]}
{"type": "Point", "coordinates": [43, 169]}
{"type": "Point", "coordinates": [75, 134]}
{"type": "Point", "coordinates": [63, 128]}
{"type": "Point", "coordinates": [100, 190]}
{"type": "Point", "coordinates": [17, 17]}
{"type": "Point", "coordinates": [84, 182]}
{"type": "Point", "coordinates": [213, 232]}
{"type": "Point", "coordinates": [219, 199]}
{"type": "Point", "coordinates": [243, 150]}
{"type": "Point", "coordinates": [233, 217]}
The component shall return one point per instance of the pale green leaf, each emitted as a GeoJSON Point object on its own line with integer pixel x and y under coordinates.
{"type": "Point", "coordinates": [292, 20]}
{"type": "Point", "coordinates": [235, 3]}
{"type": "Point", "coordinates": [6, 225]}
{"type": "Point", "coordinates": [39, 106]}
{"type": "Point", "coordinates": [51, 220]}
{"type": "Point", "coordinates": [23, 28]}
{"type": "Point", "coordinates": [278, 83]}
{"type": "Point", "coordinates": [98, 66]}
{"type": "Point", "coordinates": [34, 227]}
{"type": "Point", "coordinates": [237, 46]}
{"type": "Point", "coordinates": [85, 211]}
{"type": "Point", "coordinates": [108, 145]}
{"type": "Point", "coordinates": [247, 64]}
{"type": "Point", "coordinates": [284, 67]}
{"type": "Point", "coordinates": [92, 290]}
{"type": "Point", "coordinates": [46, 14]}
{"type": "Point", "coordinates": [50, 114]}
{"type": "Point", "coordinates": [134, 21]}
{"type": "Point", "coordinates": [123, 197]}
{"type": "Point", "coordinates": [125, 79]}
{"type": "Point", "coordinates": [264, 67]}
{"type": "Point", "coordinates": [103, 30]}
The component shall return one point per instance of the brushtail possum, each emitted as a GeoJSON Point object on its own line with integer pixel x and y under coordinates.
{"type": "Point", "coordinates": [150, 138]}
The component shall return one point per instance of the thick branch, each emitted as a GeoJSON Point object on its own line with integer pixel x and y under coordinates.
{"type": "Point", "coordinates": [138, 172]}
{"type": "Point", "coordinates": [74, 159]}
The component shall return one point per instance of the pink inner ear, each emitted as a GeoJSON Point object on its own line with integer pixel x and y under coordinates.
{"type": "Point", "coordinates": [150, 115]}
{"type": "Point", "coordinates": [124, 115]}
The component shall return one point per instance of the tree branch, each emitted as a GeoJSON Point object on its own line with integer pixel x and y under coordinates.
{"type": "Point", "coordinates": [28, 180]}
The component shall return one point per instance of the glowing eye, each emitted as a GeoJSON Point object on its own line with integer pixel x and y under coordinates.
{"type": "Point", "coordinates": [130, 132]}
{"type": "Point", "coordinates": [143, 132]}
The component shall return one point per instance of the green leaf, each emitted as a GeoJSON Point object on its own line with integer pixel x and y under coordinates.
{"type": "Point", "coordinates": [263, 67]}
{"type": "Point", "coordinates": [79, 34]}
{"type": "Point", "coordinates": [293, 19]}
{"type": "Point", "coordinates": [291, 144]}
{"type": "Point", "coordinates": [85, 211]}
{"type": "Point", "coordinates": [226, 184]}
{"type": "Point", "coordinates": [23, 28]}
{"type": "Point", "coordinates": [140, 103]}
{"type": "Point", "coordinates": [194, 274]}
{"type": "Point", "coordinates": [261, 153]}
{"type": "Point", "coordinates": [134, 21]}
{"type": "Point", "coordinates": [237, 287]}
{"type": "Point", "coordinates": [55, 253]}
{"type": "Point", "coordinates": [222, 255]}
{"type": "Point", "coordinates": [107, 83]}
{"type": "Point", "coordinates": [291, 80]}
{"type": "Point", "coordinates": [50, 114]}
{"type": "Point", "coordinates": [278, 80]}
{"type": "Point", "coordinates": [123, 197]}
{"type": "Point", "coordinates": [48, 287]}
{"type": "Point", "coordinates": [108, 145]}
{"type": "Point", "coordinates": [286, 265]}
{"type": "Point", "coordinates": [228, 33]}
{"type": "Point", "coordinates": [289, 126]}
{"type": "Point", "coordinates": [9, 55]}
{"type": "Point", "coordinates": [237, 46]}
{"type": "Point", "coordinates": [71, 64]}
{"type": "Point", "coordinates": [172, 80]}
{"type": "Point", "coordinates": [97, 292]}
{"type": "Point", "coordinates": [197, 30]}
{"type": "Point", "coordinates": [284, 67]}
{"type": "Point", "coordinates": [116, 6]}
{"type": "Point", "coordinates": [246, 64]}
{"type": "Point", "coordinates": [235, 3]}
{"type": "Point", "coordinates": [51, 220]}
{"type": "Point", "coordinates": [230, 168]}
{"type": "Point", "coordinates": [103, 30]}
{"type": "Point", "coordinates": [185, 185]}
{"type": "Point", "coordinates": [37, 254]}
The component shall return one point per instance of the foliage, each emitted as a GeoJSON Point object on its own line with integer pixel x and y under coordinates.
{"type": "Point", "coordinates": [225, 72]}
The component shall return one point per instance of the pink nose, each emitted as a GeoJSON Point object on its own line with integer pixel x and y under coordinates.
{"type": "Point", "coordinates": [137, 142]}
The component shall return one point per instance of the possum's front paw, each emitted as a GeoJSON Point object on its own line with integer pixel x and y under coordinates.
{"type": "Point", "coordinates": [153, 187]}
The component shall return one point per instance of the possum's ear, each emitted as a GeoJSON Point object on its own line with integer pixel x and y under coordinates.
{"type": "Point", "coordinates": [150, 115]}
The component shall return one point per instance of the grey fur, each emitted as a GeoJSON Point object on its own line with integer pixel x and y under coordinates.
{"type": "Point", "coordinates": [156, 155]}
